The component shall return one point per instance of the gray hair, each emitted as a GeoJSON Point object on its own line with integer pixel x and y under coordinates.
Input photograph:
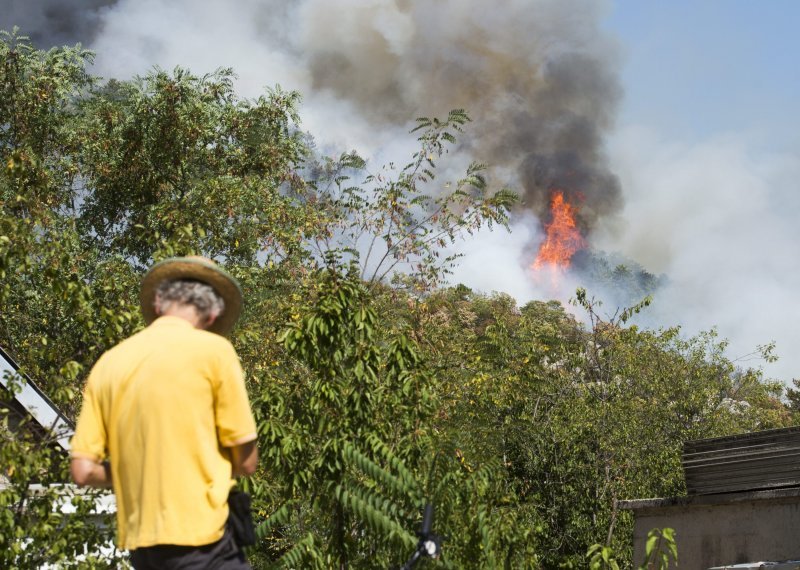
{"type": "Point", "coordinates": [201, 296]}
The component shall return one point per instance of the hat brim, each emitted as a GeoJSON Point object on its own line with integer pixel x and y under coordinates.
{"type": "Point", "coordinates": [196, 269]}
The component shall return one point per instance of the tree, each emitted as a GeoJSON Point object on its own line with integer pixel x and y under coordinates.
{"type": "Point", "coordinates": [391, 223]}
{"type": "Point", "coordinates": [350, 452]}
{"type": "Point", "coordinates": [171, 156]}
{"type": "Point", "coordinates": [582, 416]}
{"type": "Point", "coordinates": [347, 390]}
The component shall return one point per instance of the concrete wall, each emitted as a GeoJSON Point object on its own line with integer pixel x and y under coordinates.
{"type": "Point", "coordinates": [726, 529]}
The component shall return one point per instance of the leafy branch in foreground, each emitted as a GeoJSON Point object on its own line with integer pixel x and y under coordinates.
{"type": "Point", "coordinates": [395, 222]}
{"type": "Point", "coordinates": [349, 390]}
{"type": "Point", "coordinates": [44, 523]}
{"type": "Point", "coordinates": [660, 548]}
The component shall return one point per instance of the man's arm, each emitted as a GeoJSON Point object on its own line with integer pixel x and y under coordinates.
{"type": "Point", "coordinates": [244, 458]}
{"type": "Point", "coordinates": [86, 471]}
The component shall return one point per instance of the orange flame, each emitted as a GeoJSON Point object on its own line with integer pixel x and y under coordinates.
{"type": "Point", "coordinates": [563, 238]}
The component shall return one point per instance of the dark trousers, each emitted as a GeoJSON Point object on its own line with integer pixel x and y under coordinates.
{"type": "Point", "coordinates": [221, 555]}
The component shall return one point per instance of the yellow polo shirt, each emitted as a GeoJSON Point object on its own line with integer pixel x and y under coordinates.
{"type": "Point", "coordinates": [162, 406]}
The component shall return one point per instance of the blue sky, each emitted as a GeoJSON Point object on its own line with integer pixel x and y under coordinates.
{"type": "Point", "coordinates": [707, 145]}
{"type": "Point", "coordinates": [692, 68]}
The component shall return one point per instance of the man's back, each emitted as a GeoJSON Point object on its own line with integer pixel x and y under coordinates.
{"type": "Point", "coordinates": [163, 402]}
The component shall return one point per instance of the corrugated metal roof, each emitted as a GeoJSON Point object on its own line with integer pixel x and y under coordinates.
{"type": "Point", "coordinates": [760, 460]}
{"type": "Point", "coordinates": [37, 404]}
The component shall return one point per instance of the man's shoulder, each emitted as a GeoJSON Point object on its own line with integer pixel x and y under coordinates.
{"type": "Point", "coordinates": [205, 345]}
{"type": "Point", "coordinates": [112, 359]}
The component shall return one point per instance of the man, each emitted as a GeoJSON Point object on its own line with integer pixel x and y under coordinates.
{"type": "Point", "coordinates": [166, 421]}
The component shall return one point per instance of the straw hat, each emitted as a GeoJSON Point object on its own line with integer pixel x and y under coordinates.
{"type": "Point", "coordinates": [199, 269]}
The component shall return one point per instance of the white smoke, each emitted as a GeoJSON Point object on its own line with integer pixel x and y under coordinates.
{"type": "Point", "coordinates": [719, 218]}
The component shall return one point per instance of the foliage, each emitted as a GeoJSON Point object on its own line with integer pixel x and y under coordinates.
{"type": "Point", "coordinates": [41, 521]}
{"type": "Point", "coordinates": [660, 548]}
{"type": "Point", "coordinates": [350, 452]}
{"type": "Point", "coordinates": [621, 281]}
{"type": "Point", "coordinates": [582, 416]}
{"type": "Point", "coordinates": [391, 225]}
{"type": "Point", "coordinates": [164, 151]}
{"type": "Point", "coordinates": [793, 396]}
{"type": "Point", "coordinates": [55, 290]}
{"type": "Point", "coordinates": [324, 421]}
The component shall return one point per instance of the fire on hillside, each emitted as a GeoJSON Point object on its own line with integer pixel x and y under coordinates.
{"type": "Point", "coordinates": [562, 237]}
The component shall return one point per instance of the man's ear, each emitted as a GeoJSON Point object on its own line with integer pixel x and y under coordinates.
{"type": "Point", "coordinates": [209, 321]}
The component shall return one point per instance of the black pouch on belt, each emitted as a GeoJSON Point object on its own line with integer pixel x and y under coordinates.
{"type": "Point", "coordinates": [240, 518]}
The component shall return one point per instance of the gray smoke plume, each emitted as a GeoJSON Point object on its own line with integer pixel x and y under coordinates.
{"type": "Point", "coordinates": [538, 78]}
{"type": "Point", "coordinates": [51, 23]}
